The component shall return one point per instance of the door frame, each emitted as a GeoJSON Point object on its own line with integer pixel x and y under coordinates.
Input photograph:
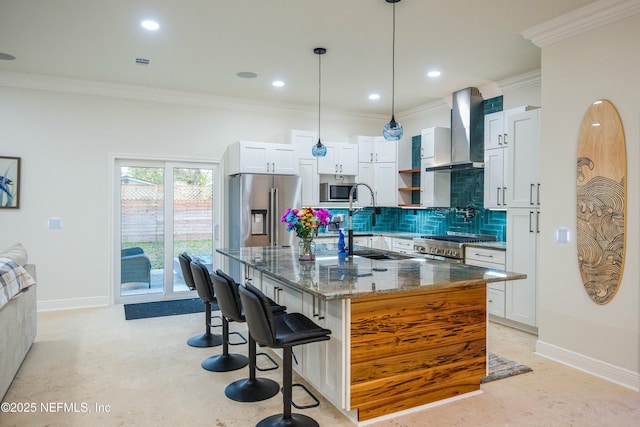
{"type": "Point", "coordinates": [114, 231]}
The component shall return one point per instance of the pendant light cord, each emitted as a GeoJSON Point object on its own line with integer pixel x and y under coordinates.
{"type": "Point", "coordinates": [393, 64]}
{"type": "Point", "coordinates": [319, 91]}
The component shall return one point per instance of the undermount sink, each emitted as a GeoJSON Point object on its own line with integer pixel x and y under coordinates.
{"type": "Point", "coordinates": [381, 255]}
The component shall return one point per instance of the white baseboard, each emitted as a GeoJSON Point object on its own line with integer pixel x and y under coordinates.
{"type": "Point", "coordinates": [615, 374]}
{"type": "Point", "coordinates": [67, 304]}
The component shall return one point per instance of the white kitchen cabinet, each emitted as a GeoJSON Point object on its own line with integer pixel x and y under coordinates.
{"type": "Point", "coordinates": [341, 159]}
{"type": "Point", "coordinates": [435, 187]}
{"type": "Point", "coordinates": [323, 365]}
{"type": "Point", "coordinates": [496, 127]}
{"type": "Point", "coordinates": [490, 258]}
{"type": "Point", "coordinates": [310, 181]}
{"type": "Point", "coordinates": [522, 175]}
{"type": "Point", "coordinates": [511, 158]}
{"type": "Point", "coordinates": [403, 246]}
{"type": "Point", "coordinates": [261, 157]}
{"type": "Point", "coordinates": [303, 140]}
{"type": "Point", "coordinates": [381, 242]}
{"type": "Point", "coordinates": [523, 233]}
{"type": "Point", "coordinates": [494, 183]}
{"type": "Point", "coordinates": [376, 149]}
{"type": "Point", "coordinates": [435, 146]}
{"type": "Point", "coordinates": [382, 178]}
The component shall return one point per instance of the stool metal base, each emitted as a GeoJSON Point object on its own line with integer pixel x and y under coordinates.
{"type": "Point", "coordinates": [225, 362]}
{"type": "Point", "coordinates": [205, 340]}
{"type": "Point", "coordinates": [252, 390]}
{"type": "Point", "coordinates": [296, 420]}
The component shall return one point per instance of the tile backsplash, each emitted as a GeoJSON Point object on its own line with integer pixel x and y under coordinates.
{"type": "Point", "coordinates": [428, 221]}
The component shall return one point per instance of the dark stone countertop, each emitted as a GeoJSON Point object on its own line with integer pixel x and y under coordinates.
{"type": "Point", "coordinates": [331, 277]}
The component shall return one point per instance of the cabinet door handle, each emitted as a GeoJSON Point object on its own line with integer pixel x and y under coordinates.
{"type": "Point", "coordinates": [530, 223]}
{"type": "Point", "coordinates": [371, 157]}
{"type": "Point", "coordinates": [340, 168]}
{"type": "Point", "coordinates": [499, 139]}
{"type": "Point", "coordinates": [538, 222]}
{"type": "Point", "coordinates": [267, 167]}
{"type": "Point", "coordinates": [538, 195]}
{"type": "Point", "coordinates": [505, 139]}
{"type": "Point", "coordinates": [531, 194]}
{"type": "Point", "coordinates": [336, 168]}
{"type": "Point", "coordinates": [504, 196]}
{"type": "Point", "coordinates": [484, 255]}
{"type": "Point", "coordinates": [273, 167]}
{"type": "Point", "coordinates": [498, 196]}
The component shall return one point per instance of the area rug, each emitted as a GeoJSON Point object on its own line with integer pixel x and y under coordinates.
{"type": "Point", "coordinates": [165, 308]}
{"type": "Point", "coordinates": [500, 368]}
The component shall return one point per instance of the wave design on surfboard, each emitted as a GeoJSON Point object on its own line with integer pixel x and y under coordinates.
{"type": "Point", "coordinates": [601, 224]}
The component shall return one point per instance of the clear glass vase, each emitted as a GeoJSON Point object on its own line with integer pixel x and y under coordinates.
{"type": "Point", "coordinates": [306, 249]}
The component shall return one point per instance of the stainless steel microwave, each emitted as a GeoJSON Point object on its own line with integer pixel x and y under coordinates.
{"type": "Point", "coordinates": [336, 192]}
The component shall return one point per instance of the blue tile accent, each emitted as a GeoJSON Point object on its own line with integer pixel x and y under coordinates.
{"type": "Point", "coordinates": [416, 142]}
{"type": "Point", "coordinates": [492, 105]}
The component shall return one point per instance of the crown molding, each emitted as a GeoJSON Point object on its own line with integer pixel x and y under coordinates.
{"type": "Point", "coordinates": [532, 79]}
{"type": "Point", "coordinates": [581, 20]}
{"type": "Point", "coordinates": [140, 93]}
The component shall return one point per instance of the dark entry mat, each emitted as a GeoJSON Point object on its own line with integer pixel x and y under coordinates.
{"type": "Point", "coordinates": [164, 308]}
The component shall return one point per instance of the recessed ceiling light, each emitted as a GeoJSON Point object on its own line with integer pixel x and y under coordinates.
{"type": "Point", "coordinates": [277, 83]}
{"type": "Point", "coordinates": [247, 75]}
{"type": "Point", "coordinates": [6, 57]}
{"type": "Point", "coordinates": [434, 73]}
{"type": "Point", "coordinates": [150, 25]}
{"type": "Point", "coordinates": [374, 96]}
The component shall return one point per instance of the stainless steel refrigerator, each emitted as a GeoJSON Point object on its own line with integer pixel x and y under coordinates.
{"type": "Point", "coordinates": [256, 203]}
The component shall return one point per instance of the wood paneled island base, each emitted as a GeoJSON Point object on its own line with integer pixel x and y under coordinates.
{"type": "Point", "coordinates": [411, 349]}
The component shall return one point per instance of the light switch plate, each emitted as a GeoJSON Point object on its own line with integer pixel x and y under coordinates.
{"type": "Point", "coordinates": [55, 224]}
{"type": "Point", "coordinates": [563, 235]}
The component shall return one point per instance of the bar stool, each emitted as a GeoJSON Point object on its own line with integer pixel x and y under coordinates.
{"type": "Point", "coordinates": [223, 362]}
{"type": "Point", "coordinates": [250, 389]}
{"type": "Point", "coordinates": [207, 339]}
{"type": "Point", "coordinates": [284, 331]}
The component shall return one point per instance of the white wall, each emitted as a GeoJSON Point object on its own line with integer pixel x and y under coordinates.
{"type": "Point", "coordinates": [66, 141]}
{"type": "Point", "coordinates": [600, 64]}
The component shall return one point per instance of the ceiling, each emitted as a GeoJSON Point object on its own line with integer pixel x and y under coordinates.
{"type": "Point", "coordinates": [202, 44]}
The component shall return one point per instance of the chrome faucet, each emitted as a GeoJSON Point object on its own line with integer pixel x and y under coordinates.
{"type": "Point", "coordinates": [373, 215]}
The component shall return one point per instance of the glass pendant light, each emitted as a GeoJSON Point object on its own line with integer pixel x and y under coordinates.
{"type": "Point", "coordinates": [319, 150]}
{"type": "Point", "coordinates": [393, 130]}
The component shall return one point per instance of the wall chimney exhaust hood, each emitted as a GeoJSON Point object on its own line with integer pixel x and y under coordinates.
{"type": "Point", "coordinates": [467, 132]}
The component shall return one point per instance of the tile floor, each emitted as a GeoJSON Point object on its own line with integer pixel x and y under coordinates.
{"type": "Point", "coordinates": [90, 367]}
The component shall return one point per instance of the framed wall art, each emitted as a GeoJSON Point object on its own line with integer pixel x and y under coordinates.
{"type": "Point", "coordinates": [9, 182]}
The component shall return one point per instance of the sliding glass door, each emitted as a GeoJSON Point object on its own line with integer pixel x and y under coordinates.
{"type": "Point", "coordinates": [164, 209]}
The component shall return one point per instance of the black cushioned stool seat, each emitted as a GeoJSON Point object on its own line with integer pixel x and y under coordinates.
{"type": "Point", "coordinates": [250, 389]}
{"type": "Point", "coordinates": [284, 331]}
{"type": "Point", "coordinates": [207, 339]}
{"type": "Point", "coordinates": [226, 361]}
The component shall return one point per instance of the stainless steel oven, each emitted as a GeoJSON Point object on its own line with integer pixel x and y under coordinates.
{"type": "Point", "coordinates": [448, 247]}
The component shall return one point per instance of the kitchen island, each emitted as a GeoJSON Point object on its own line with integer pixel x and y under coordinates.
{"type": "Point", "coordinates": [406, 332]}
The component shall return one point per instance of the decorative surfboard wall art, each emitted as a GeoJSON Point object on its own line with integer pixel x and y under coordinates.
{"type": "Point", "coordinates": [601, 209]}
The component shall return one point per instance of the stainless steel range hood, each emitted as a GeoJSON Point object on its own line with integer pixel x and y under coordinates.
{"type": "Point", "coordinates": [467, 131]}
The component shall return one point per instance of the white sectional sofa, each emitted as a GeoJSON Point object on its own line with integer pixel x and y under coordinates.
{"type": "Point", "coordinates": [17, 317]}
